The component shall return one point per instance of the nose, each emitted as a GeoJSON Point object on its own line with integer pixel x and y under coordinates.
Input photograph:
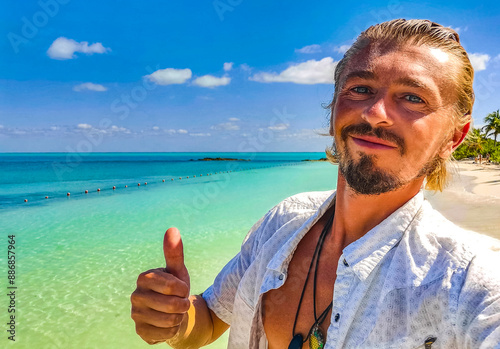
{"type": "Point", "coordinates": [377, 111]}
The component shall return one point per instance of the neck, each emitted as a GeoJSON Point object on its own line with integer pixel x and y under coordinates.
{"type": "Point", "coordinates": [356, 214]}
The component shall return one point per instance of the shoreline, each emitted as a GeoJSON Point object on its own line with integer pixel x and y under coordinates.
{"type": "Point", "coordinates": [472, 198]}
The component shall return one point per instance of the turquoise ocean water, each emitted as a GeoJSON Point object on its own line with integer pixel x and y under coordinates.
{"type": "Point", "coordinates": [78, 257]}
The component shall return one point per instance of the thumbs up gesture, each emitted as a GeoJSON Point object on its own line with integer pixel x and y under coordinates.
{"type": "Point", "coordinates": [161, 299]}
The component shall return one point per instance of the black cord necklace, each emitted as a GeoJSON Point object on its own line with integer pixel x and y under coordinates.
{"type": "Point", "coordinates": [315, 336]}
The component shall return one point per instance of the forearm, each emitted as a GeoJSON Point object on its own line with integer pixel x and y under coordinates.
{"type": "Point", "coordinates": [197, 327]}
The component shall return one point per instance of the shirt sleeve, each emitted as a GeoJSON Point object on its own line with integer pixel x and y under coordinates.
{"type": "Point", "coordinates": [220, 296]}
{"type": "Point", "coordinates": [478, 315]}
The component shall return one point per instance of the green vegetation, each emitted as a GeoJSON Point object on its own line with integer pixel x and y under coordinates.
{"type": "Point", "coordinates": [477, 141]}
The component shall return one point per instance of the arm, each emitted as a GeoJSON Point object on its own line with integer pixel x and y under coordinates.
{"type": "Point", "coordinates": [200, 326]}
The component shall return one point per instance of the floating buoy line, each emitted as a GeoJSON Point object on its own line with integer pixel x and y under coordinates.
{"type": "Point", "coordinates": [114, 187]}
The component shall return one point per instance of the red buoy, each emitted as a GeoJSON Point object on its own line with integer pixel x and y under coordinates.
{"type": "Point", "coordinates": [68, 194]}
{"type": "Point", "coordinates": [46, 197]}
{"type": "Point", "coordinates": [25, 200]}
{"type": "Point", "coordinates": [145, 183]}
{"type": "Point", "coordinates": [86, 192]}
{"type": "Point", "coordinates": [126, 186]}
{"type": "Point", "coordinates": [98, 189]}
{"type": "Point", "coordinates": [180, 177]}
{"type": "Point", "coordinates": [114, 187]}
{"type": "Point", "coordinates": [138, 184]}
{"type": "Point", "coordinates": [163, 180]}
{"type": "Point", "coordinates": [172, 179]}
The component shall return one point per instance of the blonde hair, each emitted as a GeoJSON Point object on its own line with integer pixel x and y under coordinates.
{"type": "Point", "coordinates": [420, 33]}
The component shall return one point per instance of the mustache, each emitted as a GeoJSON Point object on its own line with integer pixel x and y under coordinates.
{"type": "Point", "coordinates": [364, 129]}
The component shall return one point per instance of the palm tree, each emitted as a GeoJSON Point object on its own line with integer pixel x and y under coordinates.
{"type": "Point", "coordinates": [475, 141]}
{"type": "Point", "coordinates": [492, 127]}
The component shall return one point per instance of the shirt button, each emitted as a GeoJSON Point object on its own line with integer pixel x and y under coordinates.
{"type": "Point", "coordinates": [281, 277]}
{"type": "Point", "coordinates": [345, 263]}
{"type": "Point", "coordinates": [337, 317]}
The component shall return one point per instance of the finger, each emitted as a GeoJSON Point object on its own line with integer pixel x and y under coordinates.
{"type": "Point", "coordinates": [174, 254]}
{"type": "Point", "coordinates": [152, 334]}
{"type": "Point", "coordinates": [159, 281]}
{"type": "Point", "coordinates": [159, 302]}
{"type": "Point", "coordinates": [157, 318]}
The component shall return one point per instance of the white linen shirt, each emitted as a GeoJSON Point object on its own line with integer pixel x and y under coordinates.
{"type": "Point", "coordinates": [414, 276]}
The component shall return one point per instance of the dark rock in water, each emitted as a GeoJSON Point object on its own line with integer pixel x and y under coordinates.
{"type": "Point", "coordinates": [322, 159]}
{"type": "Point", "coordinates": [221, 159]}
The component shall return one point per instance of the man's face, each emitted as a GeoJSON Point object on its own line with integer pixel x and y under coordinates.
{"type": "Point", "coordinates": [392, 118]}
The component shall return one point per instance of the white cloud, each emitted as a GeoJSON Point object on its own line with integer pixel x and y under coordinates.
{"type": "Point", "coordinates": [200, 134]}
{"type": "Point", "coordinates": [84, 126]}
{"type": "Point", "coordinates": [19, 132]}
{"type": "Point", "coordinates": [170, 131]}
{"type": "Point", "coordinates": [479, 61]}
{"type": "Point", "coordinates": [497, 58]}
{"type": "Point", "coordinates": [182, 131]}
{"type": "Point", "coordinates": [156, 128]}
{"type": "Point", "coordinates": [170, 76]}
{"type": "Point", "coordinates": [458, 29]}
{"type": "Point", "coordinates": [342, 48]}
{"type": "Point", "coordinates": [206, 98]}
{"type": "Point", "coordinates": [309, 49]}
{"type": "Point", "coordinates": [89, 86]}
{"type": "Point", "coordinates": [1, 126]}
{"type": "Point", "coordinates": [226, 126]}
{"type": "Point", "coordinates": [234, 119]}
{"type": "Point", "coordinates": [115, 128]}
{"type": "Point", "coordinates": [211, 81]}
{"type": "Point", "coordinates": [245, 67]}
{"type": "Point", "coordinates": [64, 48]}
{"type": "Point", "coordinates": [228, 66]}
{"type": "Point", "coordinates": [301, 134]}
{"type": "Point", "coordinates": [279, 127]}
{"type": "Point", "coordinates": [310, 72]}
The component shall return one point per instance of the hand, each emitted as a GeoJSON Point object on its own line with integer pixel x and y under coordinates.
{"type": "Point", "coordinates": [161, 299]}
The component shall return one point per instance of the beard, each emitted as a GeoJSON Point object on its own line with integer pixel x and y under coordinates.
{"type": "Point", "coordinates": [364, 178]}
{"type": "Point", "coordinates": [362, 175]}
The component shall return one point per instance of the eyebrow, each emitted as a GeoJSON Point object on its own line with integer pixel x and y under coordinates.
{"type": "Point", "coordinates": [412, 83]}
{"type": "Point", "coordinates": [362, 74]}
{"type": "Point", "coordinates": [369, 75]}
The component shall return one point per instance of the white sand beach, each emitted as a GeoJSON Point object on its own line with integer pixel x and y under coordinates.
{"type": "Point", "coordinates": [472, 200]}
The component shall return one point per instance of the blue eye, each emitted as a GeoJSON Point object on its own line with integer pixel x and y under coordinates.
{"type": "Point", "coordinates": [361, 89]}
{"type": "Point", "coordinates": [413, 99]}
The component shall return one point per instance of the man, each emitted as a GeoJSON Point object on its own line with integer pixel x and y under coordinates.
{"type": "Point", "coordinates": [370, 265]}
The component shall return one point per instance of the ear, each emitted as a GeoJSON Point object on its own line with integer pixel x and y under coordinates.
{"type": "Point", "coordinates": [332, 117]}
{"type": "Point", "coordinates": [455, 141]}
{"type": "Point", "coordinates": [460, 135]}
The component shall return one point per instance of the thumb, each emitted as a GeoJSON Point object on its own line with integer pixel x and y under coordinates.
{"type": "Point", "coordinates": [174, 255]}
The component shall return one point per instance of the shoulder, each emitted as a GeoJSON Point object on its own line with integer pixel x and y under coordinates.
{"type": "Point", "coordinates": [302, 203]}
{"type": "Point", "coordinates": [288, 215]}
{"type": "Point", "coordinates": [471, 254]}
{"type": "Point", "coordinates": [452, 237]}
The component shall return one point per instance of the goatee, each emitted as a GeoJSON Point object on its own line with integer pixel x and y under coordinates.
{"type": "Point", "coordinates": [362, 175]}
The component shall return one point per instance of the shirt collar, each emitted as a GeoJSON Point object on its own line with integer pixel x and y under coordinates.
{"type": "Point", "coordinates": [364, 254]}
{"type": "Point", "coordinates": [284, 255]}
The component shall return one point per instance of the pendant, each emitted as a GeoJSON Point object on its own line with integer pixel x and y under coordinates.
{"type": "Point", "coordinates": [316, 340]}
{"type": "Point", "coordinates": [296, 342]}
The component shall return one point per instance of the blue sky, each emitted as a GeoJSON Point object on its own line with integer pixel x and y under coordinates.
{"type": "Point", "coordinates": [223, 75]}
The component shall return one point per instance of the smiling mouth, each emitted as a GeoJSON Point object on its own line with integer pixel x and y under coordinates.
{"type": "Point", "coordinates": [373, 142]}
